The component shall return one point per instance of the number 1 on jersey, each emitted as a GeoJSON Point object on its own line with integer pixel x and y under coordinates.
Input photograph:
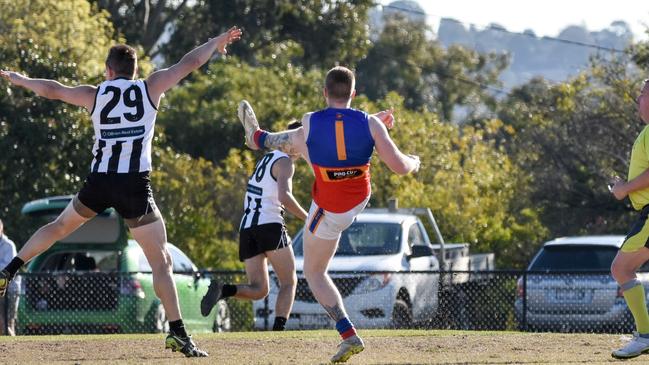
{"type": "Point", "coordinates": [341, 149]}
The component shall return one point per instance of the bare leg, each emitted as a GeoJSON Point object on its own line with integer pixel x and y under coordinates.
{"type": "Point", "coordinates": [317, 255]}
{"type": "Point", "coordinates": [626, 264]}
{"type": "Point", "coordinates": [257, 273]}
{"type": "Point", "coordinates": [291, 141]}
{"type": "Point", "coordinates": [67, 222]}
{"type": "Point", "coordinates": [152, 238]}
{"type": "Point", "coordinates": [283, 262]}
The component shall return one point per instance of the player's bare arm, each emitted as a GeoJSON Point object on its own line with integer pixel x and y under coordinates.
{"type": "Point", "coordinates": [389, 153]}
{"type": "Point", "coordinates": [621, 188]}
{"type": "Point", "coordinates": [386, 117]}
{"type": "Point", "coordinates": [284, 169]}
{"type": "Point", "coordinates": [83, 95]}
{"type": "Point", "coordinates": [163, 80]}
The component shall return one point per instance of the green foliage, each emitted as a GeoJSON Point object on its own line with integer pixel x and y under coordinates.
{"type": "Point", "coordinates": [142, 22]}
{"type": "Point", "coordinates": [570, 138]}
{"type": "Point", "coordinates": [197, 200]}
{"type": "Point", "coordinates": [200, 118]}
{"type": "Point", "coordinates": [45, 144]}
{"type": "Point", "coordinates": [469, 183]}
{"type": "Point", "coordinates": [405, 60]}
{"type": "Point", "coordinates": [327, 31]}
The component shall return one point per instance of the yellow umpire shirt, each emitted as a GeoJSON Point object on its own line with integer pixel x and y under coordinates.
{"type": "Point", "coordinates": [639, 164]}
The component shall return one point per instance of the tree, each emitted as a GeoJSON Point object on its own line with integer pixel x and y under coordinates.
{"type": "Point", "coordinates": [200, 117]}
{"type": "Point", "coordinates": [466, 179]}
{"type": "Point", "coordinates": [143, 22]}
{"type": "Point", "coordinates": [46, 144]}
{"type": "Point", "coordinates": [197, 200]}
{"type": "Point", "coordinates": [327, 31]}
{"type": "Point", "coordinates": [404, 60]}
{"type": "Point", "coordinates": [571, 138]}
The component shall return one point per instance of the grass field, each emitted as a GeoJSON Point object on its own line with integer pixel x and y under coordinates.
{"type": "Point", "coordinates": [315, 347]}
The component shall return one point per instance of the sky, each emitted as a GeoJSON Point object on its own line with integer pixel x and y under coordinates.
{"type": "Point", "coordinates": [544, 17]}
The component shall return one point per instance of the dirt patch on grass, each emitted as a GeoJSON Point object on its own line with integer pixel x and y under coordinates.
{"type": "Point", "coordinates": [315, 347]}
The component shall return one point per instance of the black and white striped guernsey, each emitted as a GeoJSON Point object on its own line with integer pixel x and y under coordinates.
{"type": "Point", "coordinates": [261, 203]}
{"type": "Point", "coordinates": [123, 118]}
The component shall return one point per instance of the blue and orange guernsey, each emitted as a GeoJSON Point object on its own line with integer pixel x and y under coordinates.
{"type": "Point", "coordinates": [340, 147]}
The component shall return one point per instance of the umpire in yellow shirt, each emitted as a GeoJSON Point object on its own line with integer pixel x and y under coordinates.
{"type": "Point", "coordinates": [635, 249]}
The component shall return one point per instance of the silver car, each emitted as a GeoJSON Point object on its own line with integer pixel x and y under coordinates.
{"type": "Point", "coordinates": [568, 287]}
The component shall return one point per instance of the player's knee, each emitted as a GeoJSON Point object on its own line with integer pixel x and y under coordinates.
{"type": "Point", "coordinates": [260, 291]}
{"type": "Point", "coordinates": [164, 264]}
{"type": "Point", "coordinates": [313, 275]}
{"type": "Point", "coordinates": [58, 228]}
{"type": "Point", "coordinates": [288, 282]}
{"type": "Point", "coordinates": [621, 272]}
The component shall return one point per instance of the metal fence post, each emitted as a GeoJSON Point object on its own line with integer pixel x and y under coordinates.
{"type": "Point", "coordinates": [525, 300]}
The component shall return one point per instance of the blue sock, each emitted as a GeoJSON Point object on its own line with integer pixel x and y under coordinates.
{"type": "Point", "coordinates": [345, 328]}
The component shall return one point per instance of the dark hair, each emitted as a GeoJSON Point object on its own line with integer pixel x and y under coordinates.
{"type": "Point", "coordinates": [340, 83]}
{"type": "Point", "coordinates": [122, 59]}
{"type": "Point", "coordinates": [295, 124]}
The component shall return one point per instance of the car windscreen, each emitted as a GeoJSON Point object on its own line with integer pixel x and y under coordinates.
{"type": "Point", "coordinates": [362, 239]}
{"type": "Point", "coordinates": [574, 258]}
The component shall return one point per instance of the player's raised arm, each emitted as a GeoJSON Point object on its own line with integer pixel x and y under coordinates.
{"type": "Point", "coordinates": [389, 153]}
{"type": "Point", "coordinates": [83, 95]}
{"type": "Point", "coordinates": [163, 80]}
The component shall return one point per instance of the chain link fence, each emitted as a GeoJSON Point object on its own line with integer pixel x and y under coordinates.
{"type": "Point", "coordinates": [101, 302]}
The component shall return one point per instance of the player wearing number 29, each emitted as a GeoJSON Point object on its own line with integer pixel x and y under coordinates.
{"type": "Point", "coordinates": [123, 113]}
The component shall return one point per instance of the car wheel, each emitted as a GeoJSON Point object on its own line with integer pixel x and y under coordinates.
{"type": "Point", "coordinates": [159, 323]}
{"type": "Point", "coordinates": [222, 321]}
{"type": "Point", "coordinates": [401, 314]}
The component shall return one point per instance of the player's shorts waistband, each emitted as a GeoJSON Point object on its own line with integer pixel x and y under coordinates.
{"type": "Point", "coordinates": [121, 174]}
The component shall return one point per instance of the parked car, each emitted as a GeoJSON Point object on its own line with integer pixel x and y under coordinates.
{"type": "Point", "coordinates": [371, 269]}
{"type": "Point", "coordinates": [569, 287]}
{"type": "Point", "coordinates": [98, 281]}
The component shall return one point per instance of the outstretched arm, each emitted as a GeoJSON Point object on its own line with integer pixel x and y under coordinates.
{"type": "Point", "coordinates": [163, 80]}
{"type": "Point", "coordinates": [397, 161]}
{"type": "Point", "coordinates": [283, 169]}
{"type": "Point", "coordinates": [83, 95]}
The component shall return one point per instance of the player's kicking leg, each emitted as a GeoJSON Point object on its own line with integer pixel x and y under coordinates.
{"type": "Point", "coordinates": [152, 237]}
{"type": "Point", "coordinates": [291, 141]}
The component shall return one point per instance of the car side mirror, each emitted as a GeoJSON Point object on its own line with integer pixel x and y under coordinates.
{"type": "Point", "coordinates": [421, 251]}
{"type": "Point", "coordinates": [197, 275]}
